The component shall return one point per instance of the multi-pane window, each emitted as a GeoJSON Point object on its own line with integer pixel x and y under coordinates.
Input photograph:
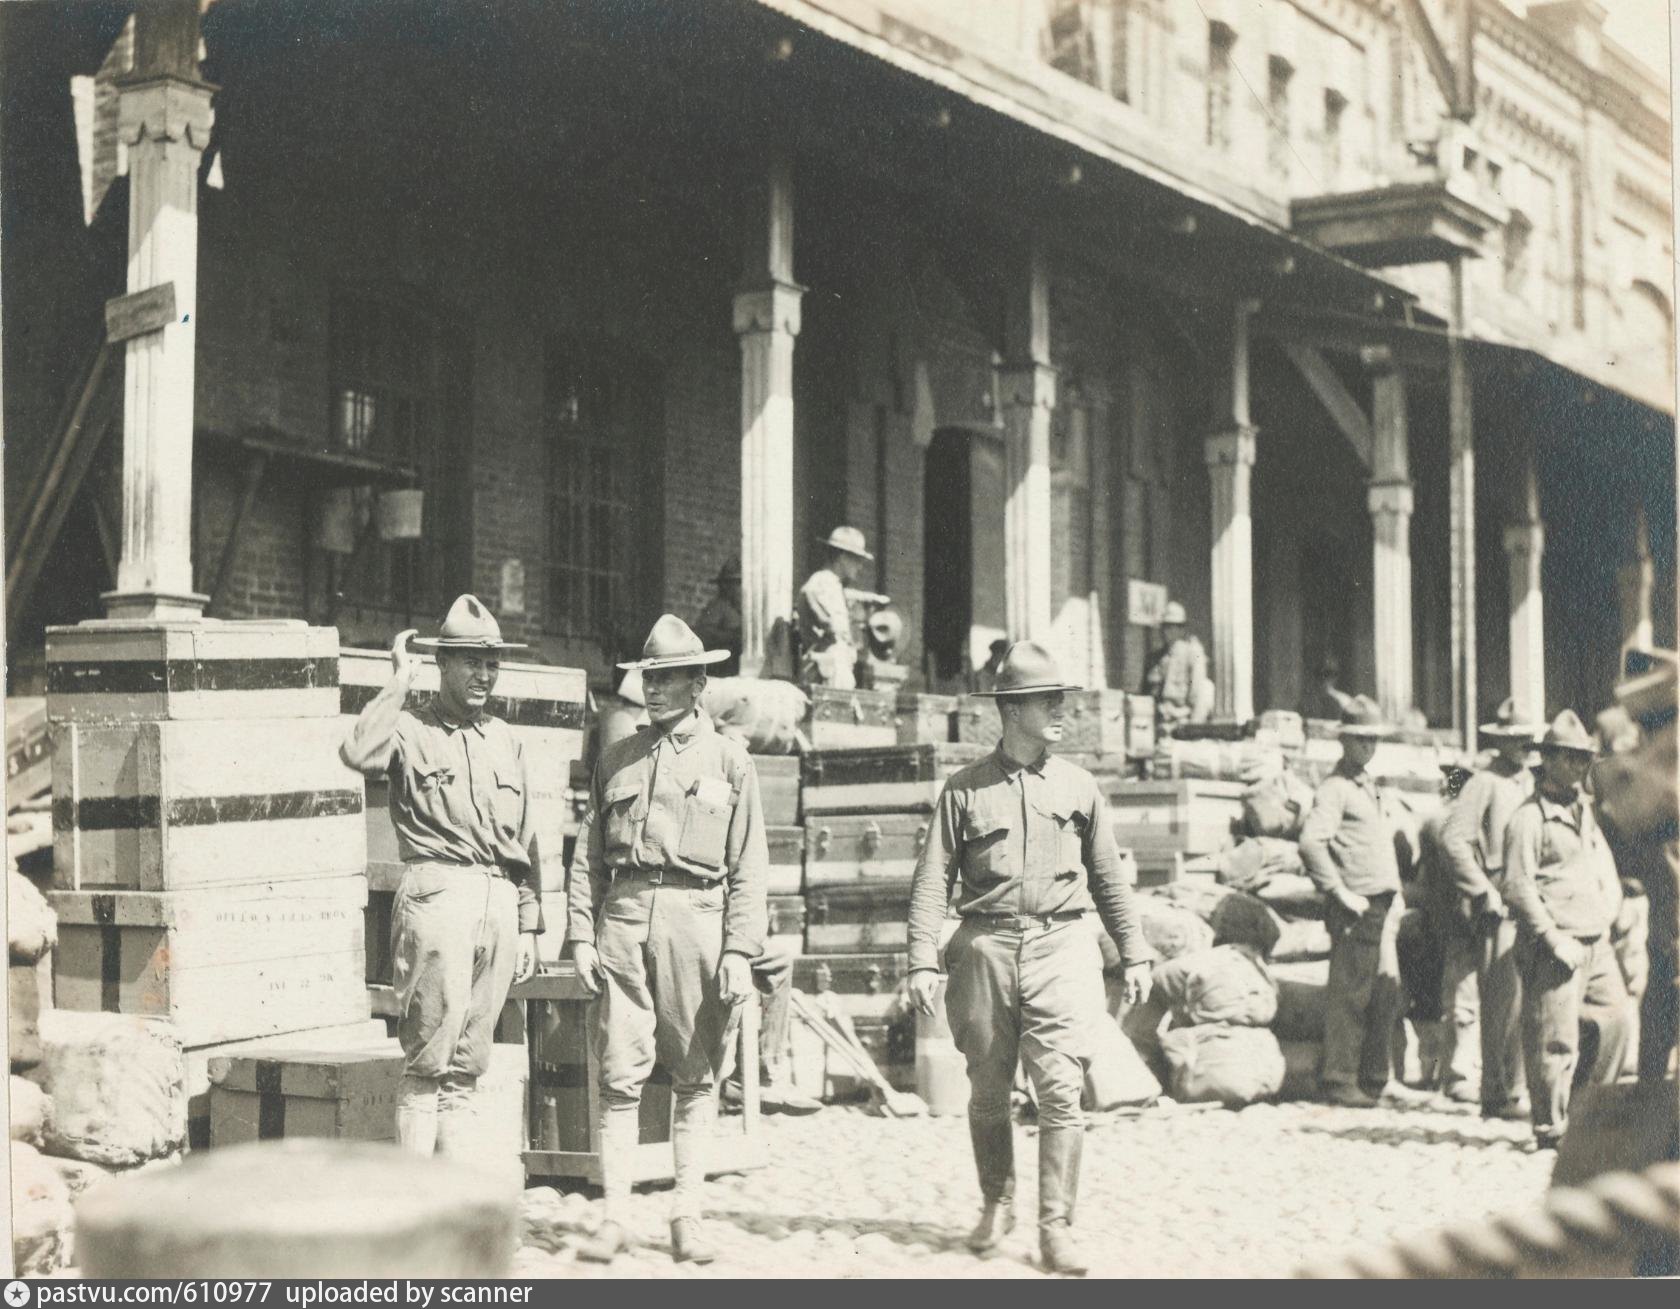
{"type": "Point", "coordinates": [1069, 43]}
{"type": "Point", "coordinates": [1279, 74]}
{"type": "Point", "coordinates": [1221, 39]}
{"type": "Point", "coordinates": [590, 419]}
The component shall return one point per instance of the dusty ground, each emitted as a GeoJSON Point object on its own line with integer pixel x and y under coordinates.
{"type": "Point", "coordinates": [1176, 1191]}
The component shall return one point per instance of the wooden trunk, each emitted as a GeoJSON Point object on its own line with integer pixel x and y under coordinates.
{"type": "Point", "coordinates": [844, 850]}
{"type": "Point", "coordinates": [975, 721]}
{"type": "Point", "coordinates": [778, 788]}
{"type": "Point", "coordinates": [174, 805]}
{"type": "Point", "coordinates": [839, 720]}
{"type": "Point", "coordinates": [925, 719]}
{"type": "Point", "coordinates": [787, 915]}
{"type": "Point", "coordinates": [223, 963]}
{"type": "Point", "coordinates": [865, 982]}
{"type": "Point", "coordinates": [787, 860]}
{"type": "Point", "coordinates": [563, 1101]}
{"type": "Point", "coordinates": [857, 919]}
{"type": "Point", "coordinates": [887, 779]}
{"type": "Point", "coordinates": [1158, 821]}
{"type": "Point", "coordinates": [345, 1094]}
{"type": "Point", "coordinates": [1109, 724]}
{"type": "Point", "coordinates": [28, 749]}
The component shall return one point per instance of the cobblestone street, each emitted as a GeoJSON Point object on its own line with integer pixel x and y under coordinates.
{"type": "Point", "coordinates": [1177, 1191]}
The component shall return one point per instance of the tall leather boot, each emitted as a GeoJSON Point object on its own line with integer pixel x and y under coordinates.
{"type": "Point", "coordinates": [994, 1161]}
{"type": "Point", "coordinates": [620, 1130]}
{"type": "Point", "coordinates": [1059, 1153]}
{"type": "Point", "coordinates": [691, 1136]}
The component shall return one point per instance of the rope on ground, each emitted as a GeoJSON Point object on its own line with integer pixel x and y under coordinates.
{"type": "Point", "coordinates": [1631, 1220]}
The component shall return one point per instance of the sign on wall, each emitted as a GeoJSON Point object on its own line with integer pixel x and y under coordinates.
{"type": "Point", "coordinates": [1146, 602]}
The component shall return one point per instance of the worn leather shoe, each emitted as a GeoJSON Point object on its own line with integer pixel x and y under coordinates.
{"type": "Point", "coordinates": [1512, 1111]}
{"type": "Point", "coordinates": [688, 1242]}
{"type": "Point", "coordinates": [997, 1220]}
{"type": "Point", "coordinates": [1349, 1097]}
{"type": "Point", "coordinates": [1060, 1252]}
{"type": "Point", "coordinates": [609, 1241]}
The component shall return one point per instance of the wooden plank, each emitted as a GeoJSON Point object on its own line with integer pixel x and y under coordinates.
{"type": "Point", "coordinates": [139, 312]}
{"type": "Point", "coordinates": [1343, 409]}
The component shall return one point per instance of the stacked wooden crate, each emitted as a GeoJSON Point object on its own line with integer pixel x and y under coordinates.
{"type": "Point", "coordinates": [208, 845]}
{"type": "Point", "coordinates": [546, 707]}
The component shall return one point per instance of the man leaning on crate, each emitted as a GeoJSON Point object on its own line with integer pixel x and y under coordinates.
{"type": "Point", "coordinates": [1028, 835]}
{"type": "Point", "coordinates": [468, 910]}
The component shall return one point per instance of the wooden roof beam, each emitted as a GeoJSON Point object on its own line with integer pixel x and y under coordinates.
{"type": "Point", "coordinates": [1343, 409]}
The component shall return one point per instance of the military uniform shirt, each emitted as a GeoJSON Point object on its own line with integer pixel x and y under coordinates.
{"type": "Point", "coordinates": [1347, 839]}
{"type": "Point", "coordinates": [1559, 874]}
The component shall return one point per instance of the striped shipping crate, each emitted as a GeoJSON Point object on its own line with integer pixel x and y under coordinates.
{"type": "Point", "coordinates": [849, 849]}
{"type": "Point", "coordinates": [184, 803]}
{"type": "Point", "coordinates": [223, 963]}
{"type": "Point", "coordinates": [787, 860]}
{"type": "Point", "coordinates": [857, 919]}
{"type": "Point", "coordinates": [879, 780]}
{"type": "Point", "coordinates": [343, 1094]}
{"type": "Point", "coordinates": [135, 673]}
{"type": "Point", "coordinates": [1108, 724]}
{"type": "Point", "coordinates": [1159, 821]}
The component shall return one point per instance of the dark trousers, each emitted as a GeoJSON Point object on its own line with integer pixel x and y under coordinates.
{"type": "Point", "coordinates": [1360, 1007]}
{"type": "Point", "coordinates": [1556, 1000]}
{"type": "Point", "coordinates": [1499, 996]}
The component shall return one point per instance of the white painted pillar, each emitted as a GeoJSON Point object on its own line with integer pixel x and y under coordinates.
{"type": "Point", "coordinates": [1525, 543]}
{"type": "Point", "coordinates": [767, 322]}
{"type": "Point", "coordinates": [1636, 583]}
{"type": "Point", "coordinates": [1461, 494]}
{"type": "Point", "coordinates": [164, 120]}
{"type": "Point", "coordinates": [1029, 398]}
{"type": "Point", "coordinates": [1389, 499]}
{"type": "Point", "coordinates": [1229, 453]}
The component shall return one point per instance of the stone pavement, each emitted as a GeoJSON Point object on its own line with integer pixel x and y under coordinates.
{"type": "Point", "coordinates": [1178, 1190]}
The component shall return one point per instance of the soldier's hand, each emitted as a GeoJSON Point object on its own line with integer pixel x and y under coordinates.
{"type": "Point", "coordinates": [403, 662]}
{"type": "Point", "coordinates": [1570, 952]}
{"type": "Point", "coordinates": [525, 961]}
{"type": "Point", "coordinates": [924, 989]}
{"type": "Point", "coordinates": [735, 982]}
{"type": "Point", "coordinates": [1138, 981]}
{"type": "Point", "coordinates": [588, 966]}
{"type": "Point", "coordinates": [1353, 902]}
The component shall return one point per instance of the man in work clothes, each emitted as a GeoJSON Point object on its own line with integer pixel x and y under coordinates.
{"type": "Point", "coordinates": [829, 657]}
{"type": "Point", "coordinates": [468, 909]}
{"type": "Point", "coordinates": [1473, 841]}
{"type": "Point", "coordinates": [667, 911]}
{"type": "Point", "coordinates": [1029, 837]}
{"type": "Point", "coordinates": [1175, 678]}
{"type": "Point", "coordinates": [1347, 846]}
{"type": "Point", "coordinates": [1561, 884]}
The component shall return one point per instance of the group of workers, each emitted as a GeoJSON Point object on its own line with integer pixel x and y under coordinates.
{"type": "Point", "coordinates": [666, 907]}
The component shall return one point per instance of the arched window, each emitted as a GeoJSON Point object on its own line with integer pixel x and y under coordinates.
{"type": "Point", "coordinates": [1647, 332]}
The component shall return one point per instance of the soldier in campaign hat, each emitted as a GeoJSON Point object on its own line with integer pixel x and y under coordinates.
{"type": "Point", "coordinates": [1027, 837]}
{"type": "Point", "coordinates": [667, 911]}
{"type": "Point", "coordinates": [825, 622]}
{"type": "Point", "coordinates": [468, 909]}
{"type": "Point", "coordinates": [1178, 671]}
{"type": "Point", "coordinates": [1561, 884]}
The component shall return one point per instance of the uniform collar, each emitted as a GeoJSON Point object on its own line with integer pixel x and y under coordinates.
{"type": "Point", "coordinates": [1361, 775]}
{"type": "Point", "coordinates": [1009, 767]}
{"type": "Point", "coordinates": [451, 724]}
{"type": "Point", "coordinates": [682, 733]}
{"type": "Point", "coordinates": [1572, 814]}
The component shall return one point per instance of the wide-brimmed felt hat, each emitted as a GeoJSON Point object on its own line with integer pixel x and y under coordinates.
{"type": "Point", "coordinates": [1505, 726]}
{"type": "Point", "coordinates": [1568, 732]}
{"type": "Point", "coordinates": [848, 539]}
{"type": "Point", "coordinates": [673, 644]}
{"type": "Point", "coordinates": [1027, 669]}
{"type": "Point", "coordinates": [467, 626]}
{"type": "Point", "coordinates": [1363, 717]}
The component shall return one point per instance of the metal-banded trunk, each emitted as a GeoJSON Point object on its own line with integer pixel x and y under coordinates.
{"type": "Point", "coordinates": [839, 719]}
{"type": "Point", "coordinates": [878, 849]}
{"type": "Point", "coordinates": [857, 919]}
{"type": "Point", "coordinates": [884, 779]}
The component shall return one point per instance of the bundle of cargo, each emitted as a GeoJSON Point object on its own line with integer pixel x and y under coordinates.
{"type": "Point", "coordinates": [1110, 725]}
{"type": "Point", "coordinates": [1276, 806]}
{"type": "Point", "coordinates": [1299, 1025]}
{"type": "Point", "coordinates": [28, 751]}
{"type": "Point", "coordinates": [1246, 760]}
{"type": "Point", "coordinates": [1161, 821]}
{"type": "Point", "coordinates": [925, 719]}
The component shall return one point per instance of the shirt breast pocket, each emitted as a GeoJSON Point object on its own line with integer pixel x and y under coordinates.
{"type": "Point", "coordinates": [508, 801]}
{"type": "Point", "coordinates": [985, 834]}
{"type": "Point", "coordinates": [621, 814]}
{"type": "Point", "coordinates": [705, 832]}
{"type": "Point", "coordinates": [1069, 824]}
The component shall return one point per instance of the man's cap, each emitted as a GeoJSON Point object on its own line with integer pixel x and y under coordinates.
{"type": "Point", "coordinates": [1363, 717]}
{"type": "Point", "coordinates": [467, 626]}
{"type": "Point", "coordinates": [1505, 726]}
{"type": "Point", "coordinates": [1174, 613]}
{"type": "Point", "coordinates": [1568, 732]}
{"type": "Point", "coordinates": [1027, 669]}
{"type": "Point", "coordinates": [673, 644]}
{"type": "Point", "coordinates": [848, 539]}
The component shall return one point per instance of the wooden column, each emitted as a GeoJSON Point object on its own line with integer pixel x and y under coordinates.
{"type": "Point", "coordinates": [767, 322]}
{"type": "Point", "coordinates": [1098, 431]}
{"type": "Point", "coordinates": [1389, 498]}
{"type": "Point", "coordinates": [1229, 452]}
{"type": "Point", "coordinates": [1635, 584]}
{"type": "Point", "coordinates": [1525, 543]}
{"type": "Point", "coordinates": [1029, 397]}
{"type": "Point", "coordinates": [164, 120]}
{"type": "Point", "coordinates": [1461, 494]}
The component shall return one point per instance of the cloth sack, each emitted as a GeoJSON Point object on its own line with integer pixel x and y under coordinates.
{"type": "Point", "coordinates": [761, 713]}
{"type": "Point", "coordinates": [1242, 920]}
{"type": "Point", "coordinates": [1234, 1065]}
{"type": "Point", "coordinates": [1276, 806]}
{"type": "Point", "coordinates": [1222, 984]}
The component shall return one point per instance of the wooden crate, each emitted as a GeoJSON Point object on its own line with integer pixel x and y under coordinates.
{"type": "Point", "coordinates": [787, 915]}
{"type": "Point", "coordinates": [563, 1100]}
{"type": "Point", "coordinates": [177, 804]}
{"type": "Point", "coordinates": [28, 749]}
{"type": "Point", "coordinates": [839, 720]}
{"type": "Point", "coordinates": [787, 860]}
{"type": "Point", "coordinates": [778, 788]}
{"type": "Point", "coordinates": [1108, 723]}
{"type": "Point", "coordinates": [863, 918]}
{"type": "Point", "coordinates": [859, 977]}
{"type": "Point", "coordinates": [975, 721]}
{"type": "Point", "coordinates": [129, 674]}
{"type": "Point", "coordinates": [925, 719]}
{"type": "Point", "coordinates": [879, 780]}
{"type": "Point", "coordinates": [222, 963]}
{"type": "Point", "coordinates": [345, 1094]}
{"type": "Point", "coordinates": [1158, 820]}
{"type": "Point", "coordinates": [876, 849]}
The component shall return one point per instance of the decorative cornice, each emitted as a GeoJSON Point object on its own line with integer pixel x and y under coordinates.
{"type": "Point", "coordinates": [770, 307]}
{"type": "Point", "coordinates": [1652, 199]}
{"type": "Point", "coordinates": [165, 109]}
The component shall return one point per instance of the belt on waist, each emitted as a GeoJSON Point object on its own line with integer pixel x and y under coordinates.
{"type": "Point", "coordinates": [489, 870]}
{"type": "Point", "coordinates": [663, 877]}
{"type": "Point", "coordinates": [1004, 920]}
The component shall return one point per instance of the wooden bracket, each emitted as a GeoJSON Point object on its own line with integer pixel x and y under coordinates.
{"type": "Point", "coordinates": [150, 310]}
{"type": "Point", "coordinates": [1343, 409]}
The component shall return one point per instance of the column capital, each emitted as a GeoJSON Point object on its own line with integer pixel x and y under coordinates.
{"type": "Point", "coordinates": [1525, 539]}
{"type": "Point", "coordinates": [1027, 385]}
{"type": "Point", "coordinates": [1236, 446]}
{"type": "Point", "coordinates": [771, 306]}
{"type": "Point", "coordinates": [165, 108]}
{"type": "Point", "coordinates": [1389, 498]}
